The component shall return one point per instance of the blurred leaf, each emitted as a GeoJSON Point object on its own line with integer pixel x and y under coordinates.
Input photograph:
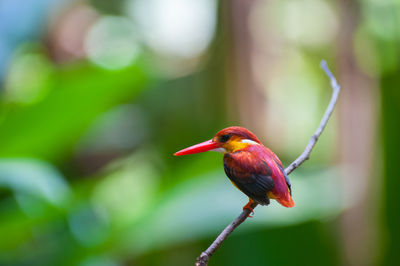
{"type": "Point", "coordinates": [49, 128]}
{"type": "Point", "coordinates": [29, 77]}
{"type": "Point", "coordinates": [89, 225]}
{"type": "Point", "coordinates": [41, 195]}
{"type": "Point", "coordinates": [34, 177]}
{"type": "Point", "coordinates": [127, 192]}
{"type": "Point", "coordinates": [99, 261]}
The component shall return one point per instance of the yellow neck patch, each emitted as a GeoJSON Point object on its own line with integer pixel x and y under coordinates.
{"type": "Point", "coordinates": [236, 144]}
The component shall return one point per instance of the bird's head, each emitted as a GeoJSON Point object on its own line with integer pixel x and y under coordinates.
{"type": "Point", "coordinates": [227, 140]}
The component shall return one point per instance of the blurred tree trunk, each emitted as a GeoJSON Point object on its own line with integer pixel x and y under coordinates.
{"type": "Point", "coordinates": [246, 100]}
{"type": "Point", "coordinates": [357, 134]}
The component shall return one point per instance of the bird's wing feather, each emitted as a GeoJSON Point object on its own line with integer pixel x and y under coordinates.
{"type": "Point", "coordinates": [289, 185]}
{"type": "Point", "coordinates": [250, 174]}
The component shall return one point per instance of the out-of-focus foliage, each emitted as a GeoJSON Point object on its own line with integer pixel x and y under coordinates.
{"type": "Point", "coordinates": [97, 95]}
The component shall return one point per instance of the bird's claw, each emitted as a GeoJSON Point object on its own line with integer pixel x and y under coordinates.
{"type": "Point", "coordinates": [251, 214]}
{"type": "Point", "coordinates": [249, 208]}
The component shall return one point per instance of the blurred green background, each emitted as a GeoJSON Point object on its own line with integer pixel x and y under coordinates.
{"type": "Point", "coordinates": [97, 95]}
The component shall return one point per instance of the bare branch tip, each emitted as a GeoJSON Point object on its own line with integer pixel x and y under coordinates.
{"type": "Point", "coordinates": [334, 84]}
{"type": "Point", "coordinates": [325, 67]}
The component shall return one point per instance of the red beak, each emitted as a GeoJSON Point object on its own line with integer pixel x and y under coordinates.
{"type": "Point", "coordinates": [201, 147]}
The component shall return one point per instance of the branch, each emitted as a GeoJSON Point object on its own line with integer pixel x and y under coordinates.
{"type": "Point", "coordinates": [205, 256]}
{"type": "Point", "coordinates": [311, 143]}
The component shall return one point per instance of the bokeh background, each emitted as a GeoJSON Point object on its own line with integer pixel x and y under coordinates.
{"type": "Point", "coordinates": [97, 95]}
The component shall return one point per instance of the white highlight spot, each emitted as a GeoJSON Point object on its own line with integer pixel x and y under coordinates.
{"type": "Point", "coordinates": [176, 27]}
{"type": "Point", "coordinates": [112, 43]}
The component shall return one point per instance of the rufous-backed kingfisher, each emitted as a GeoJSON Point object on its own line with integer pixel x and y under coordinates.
{"type": "Point", "coordinates": [252, 168]}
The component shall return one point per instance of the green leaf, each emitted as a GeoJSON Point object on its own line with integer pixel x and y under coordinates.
{"type": "Point", "coordinates": [34, 177]}
{"type": "Point", "coordinates": [49, 128]}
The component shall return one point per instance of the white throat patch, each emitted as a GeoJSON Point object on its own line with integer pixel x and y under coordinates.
{"type": "Point", "coordinates": [221, 150]}
{"type": "Point", "coordinates": [249, 141]}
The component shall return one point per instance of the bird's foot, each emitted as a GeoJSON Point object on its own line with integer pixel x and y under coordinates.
{"type": "Point", "coordinates": [249, 207]}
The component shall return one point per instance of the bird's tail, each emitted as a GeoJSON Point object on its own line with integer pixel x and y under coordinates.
{"type": "Point", "coordinates": [286, 202]}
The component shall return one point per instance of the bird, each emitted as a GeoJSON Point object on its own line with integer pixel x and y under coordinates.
{"type": "Point", "coordinates": [251, 167]}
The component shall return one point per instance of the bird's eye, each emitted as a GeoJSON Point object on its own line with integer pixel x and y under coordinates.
{"type": "Point", "coordinates": [224, 138]}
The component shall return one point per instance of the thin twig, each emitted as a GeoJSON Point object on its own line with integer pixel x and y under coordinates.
{"type": "Point", "coordinates": [311, 143]}
{"type": "Point", "coordinates": [205, 256]}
